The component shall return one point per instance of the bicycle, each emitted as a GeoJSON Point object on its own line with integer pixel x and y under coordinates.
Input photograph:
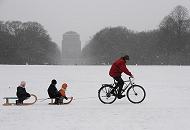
{"type": "Point", "coordinates": [135, 93]}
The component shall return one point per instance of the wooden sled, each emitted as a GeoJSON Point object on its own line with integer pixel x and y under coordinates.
{"type": "Point", "coordinates": [8, 103]}
{"type": "Point", "coordinates": [69, 100]}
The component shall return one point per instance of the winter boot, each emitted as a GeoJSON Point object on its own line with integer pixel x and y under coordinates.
{"type": "Point", "coordinates": [120, 96]}
{"type": "Point", "coordinates": [18, 102]}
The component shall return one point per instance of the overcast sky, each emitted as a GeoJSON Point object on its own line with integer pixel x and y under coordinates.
{"type": "Point", "coordinates": [88, 16]}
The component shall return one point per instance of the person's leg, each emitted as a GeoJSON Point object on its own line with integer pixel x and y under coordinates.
{"type": "Point", "coordinates": [56, 96]}
{"type": "Point", "coordinates": [120, 84]}
{"type": "Point", "coordinates": [56, 100]}
{"type": "Point", "coordinates": [18, 102]}
{"type": "Point", "coordinates": [116, 86]}
{"type": "Point", "coordinates": [21, 99]}
{"type": "Point", "coordinates": [61, 100]}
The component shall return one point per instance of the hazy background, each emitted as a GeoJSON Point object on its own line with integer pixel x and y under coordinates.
{"type": "Point", "coordinates": [88, 16]}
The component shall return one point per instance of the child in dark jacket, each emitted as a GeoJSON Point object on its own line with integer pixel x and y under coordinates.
{"type": "Point", "coordinates": [53, 92]}
{"type": "Point", "coordinates": [21, 93]}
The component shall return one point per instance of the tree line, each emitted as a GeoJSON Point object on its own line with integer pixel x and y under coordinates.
{"type": "Point", "coordinates": [26, 43]}
{"type": "Point", "coordinates": [167, 45]}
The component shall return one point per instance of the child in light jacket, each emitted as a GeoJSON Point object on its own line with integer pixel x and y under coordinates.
{"type": "Point", "coordinates": [62, 91]}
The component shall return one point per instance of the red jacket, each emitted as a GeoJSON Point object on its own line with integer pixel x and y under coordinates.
{"type": "Point", "coordinates": [118, 67]}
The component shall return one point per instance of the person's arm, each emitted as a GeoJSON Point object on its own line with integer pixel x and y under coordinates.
{"type": "Point", "coordinates": [65, 97]}
{"type": "Point", "coordinates": [25, 93]}
{"type": "Point", "coordinates": [125, 70]}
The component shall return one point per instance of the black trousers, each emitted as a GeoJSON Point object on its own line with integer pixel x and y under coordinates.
{"type": "Point", "coordinates": [119, 84]}
{"type": "Point", "coordinates": [57, 97]}
{"type": "Point", "coordinates": [23, 97]}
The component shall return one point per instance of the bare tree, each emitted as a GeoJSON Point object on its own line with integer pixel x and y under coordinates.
{"type": "Point", "coordinates": [29, 42]}
{"type": "Point", "coordinates": [177, 22]}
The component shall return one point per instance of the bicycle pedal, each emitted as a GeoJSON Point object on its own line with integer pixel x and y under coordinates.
{"type": "Point", "coordinates": [113, 93]}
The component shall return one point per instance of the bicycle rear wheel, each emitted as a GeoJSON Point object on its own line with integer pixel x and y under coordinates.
{"type": "Point", "coordinates": [105, 96]}
{"type": "Point", "coordinates": [136, 94]}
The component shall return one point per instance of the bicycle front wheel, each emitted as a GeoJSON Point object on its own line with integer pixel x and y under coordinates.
{"type": "Point", "coordinates": [105, 96]}
{"type": "Point", "coordinates": [136, 94]}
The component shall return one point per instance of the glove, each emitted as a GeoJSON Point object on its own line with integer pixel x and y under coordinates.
{"type": "Point", "coordinates": [66, 98]}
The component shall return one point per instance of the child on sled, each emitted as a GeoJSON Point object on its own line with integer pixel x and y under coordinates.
{"type": "Point", "coordinates": [21, 93]}
{"type": "Point", "coordinates": [63, 93]}
{"type": "Point", "coordinates": [53, 92]}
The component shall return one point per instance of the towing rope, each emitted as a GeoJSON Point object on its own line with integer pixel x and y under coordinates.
{"type": "Point", "coordinates": [85, 98]}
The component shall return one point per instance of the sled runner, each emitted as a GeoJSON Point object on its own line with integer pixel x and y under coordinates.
{"type": "Point", "coordinates": [69, 100]}
{"type": "Point", "coordinates": [29, 101]}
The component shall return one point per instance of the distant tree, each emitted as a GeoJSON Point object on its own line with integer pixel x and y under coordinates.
{"type": "Point", "coordinates": [22, 43]}
{"type": "Point", "coordinates": [112, 43]}
{"type": "Point", "coordinates": [107, 45]}
{"type": "Point", "coordinates": [175, 29]}
{"type": "Point", "coordinates": [176, 25]}
{"type": "Point", "coordinates": [53, 53]}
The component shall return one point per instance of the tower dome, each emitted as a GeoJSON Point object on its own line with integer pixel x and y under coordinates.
{"type": "Point", "coordinates": [71, 33]}
{"type": "Point", "coordinates": [71, 48]}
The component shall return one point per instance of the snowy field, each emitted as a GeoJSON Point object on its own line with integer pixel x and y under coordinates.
{"type": "Point", "coordinates": [166, 107]}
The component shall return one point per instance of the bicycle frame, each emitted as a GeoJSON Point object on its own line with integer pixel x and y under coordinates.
{"type": "Point", "coordinates": [126, 85]}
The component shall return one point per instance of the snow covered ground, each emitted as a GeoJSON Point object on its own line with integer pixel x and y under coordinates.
{"type": "Point", "coordinates": [166, 107]}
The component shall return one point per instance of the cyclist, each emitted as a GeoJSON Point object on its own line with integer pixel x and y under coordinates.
{"type": "Point", "coordinates": [117, 68]}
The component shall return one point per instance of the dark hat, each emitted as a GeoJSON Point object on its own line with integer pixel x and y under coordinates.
{"type": "Point", "coordinates": [53, 81]}
{"type": "Point", "coordinates": [126, 57]}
